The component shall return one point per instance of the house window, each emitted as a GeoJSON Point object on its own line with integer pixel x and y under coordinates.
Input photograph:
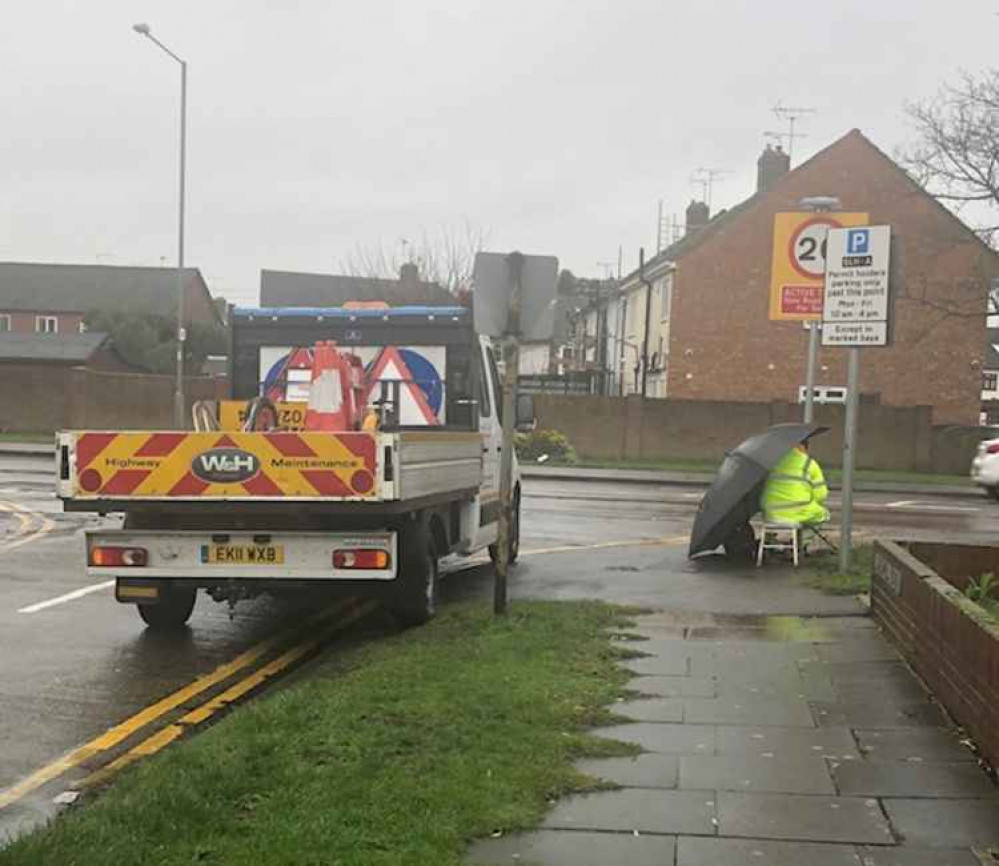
{"type": "Point", "coordinates": [47, 324]}
{"type": "Point", "coordinates": [4, 324]}
{"type": "Point", "coordinates": [990, 381]}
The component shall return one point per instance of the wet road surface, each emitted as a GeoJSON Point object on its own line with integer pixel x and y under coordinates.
{"type": "Point", "coordinates": [73, 663]}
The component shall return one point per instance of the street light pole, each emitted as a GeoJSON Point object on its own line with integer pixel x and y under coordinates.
{"type": "Point", "coordinates": [179, 403]}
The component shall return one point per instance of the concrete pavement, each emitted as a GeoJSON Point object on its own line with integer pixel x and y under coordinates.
{"type": "Point", "coordinates": [770, 740]}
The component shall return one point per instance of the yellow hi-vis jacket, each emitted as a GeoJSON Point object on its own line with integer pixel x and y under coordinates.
{"type": "Point", "coordinates": [795, 490]}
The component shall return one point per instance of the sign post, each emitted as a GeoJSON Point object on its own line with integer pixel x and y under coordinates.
{"type": "Point", "coordinates": [797, 271]}
{"type": "Point", "coordinates": [513, 298]}
{"type": "Point", "coordinates": [856, 312]}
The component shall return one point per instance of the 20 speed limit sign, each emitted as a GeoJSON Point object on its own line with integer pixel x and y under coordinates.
{"type": "Point", "coordinates": [799, 262]}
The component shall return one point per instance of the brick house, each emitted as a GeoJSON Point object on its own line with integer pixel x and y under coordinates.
{"type": "Point", "coordinates": [55, 298]}
{"type": "Point", "coordinates": [711, 312]}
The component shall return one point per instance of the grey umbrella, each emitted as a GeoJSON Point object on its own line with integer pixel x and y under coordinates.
{"type": "Point", "coordinates": [734, 497]}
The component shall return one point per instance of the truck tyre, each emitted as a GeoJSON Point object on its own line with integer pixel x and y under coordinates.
{"type": "Point", "coordinates": [172, 611]}
{"type": "Point", "coordinates": [415, 600]}
{"type": "Point", "coordinates": [514, 534]}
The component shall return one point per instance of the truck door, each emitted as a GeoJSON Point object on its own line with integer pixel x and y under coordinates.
{"type": "Point", "coordinates": [490, 425]}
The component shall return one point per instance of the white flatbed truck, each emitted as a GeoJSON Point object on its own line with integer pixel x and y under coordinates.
{"type": "Point", "coordinates": [359, 513]}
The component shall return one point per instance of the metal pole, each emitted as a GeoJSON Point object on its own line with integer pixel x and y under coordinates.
{"type": "Point", "coordinates": [849, 455]}
{"type": "Point", "coordinates": [813, 348]}
{"type": "Point", "coordinates": [510, 371]}
{"type": "Point", "coordinates": [648, 315]}
{"type": "Point", "coordinates": [179, 401]}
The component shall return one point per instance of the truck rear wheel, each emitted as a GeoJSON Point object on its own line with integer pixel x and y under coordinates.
{"type": "Point", "coordinates": [415, 599]}
{"type": "Point", "coordinates": [172, 611]}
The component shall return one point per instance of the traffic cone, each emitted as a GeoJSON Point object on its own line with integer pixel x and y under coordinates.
{"type": "Point", "coordinates": [328, 409]}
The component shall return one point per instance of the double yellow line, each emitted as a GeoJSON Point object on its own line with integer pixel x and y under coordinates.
{"type": "Point", "coordinates": [32, 526]}
{"type": "Point", "coordinates": [324, 627]}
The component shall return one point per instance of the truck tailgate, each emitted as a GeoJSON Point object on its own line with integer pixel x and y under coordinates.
{"type": "Point", "coordinates": [224, 466]}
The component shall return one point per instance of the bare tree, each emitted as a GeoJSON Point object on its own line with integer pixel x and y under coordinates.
{"type": "Point", "coordinates": [956, 155]}
{"type": "Point", "coordinates": [445, 256]}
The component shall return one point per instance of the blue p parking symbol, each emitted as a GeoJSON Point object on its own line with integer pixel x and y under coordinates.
{"type": "Point", "coordinates": [858, 242]}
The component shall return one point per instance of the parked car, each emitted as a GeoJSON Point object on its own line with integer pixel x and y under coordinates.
{"type": "Point", "coordinates": [985, 467]}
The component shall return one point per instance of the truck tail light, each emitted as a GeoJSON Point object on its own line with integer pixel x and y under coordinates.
{"type": "Point", "coordinates": [361, 558]}
{"type": "Point", "coordinates": [992, 449]}
{"type": "Point", "coordinates": [129, 557]}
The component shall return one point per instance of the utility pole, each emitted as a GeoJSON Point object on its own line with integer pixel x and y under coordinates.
{"type": "Point", "coordinates": [515, 262]}
{"type": "Point", "coordinates": [648, 316]}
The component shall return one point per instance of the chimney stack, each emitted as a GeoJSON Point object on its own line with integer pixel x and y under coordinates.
{"type": "Point", "coordinates": [772, 165]}
{"type": "Point", "coordinates": [698, 215]}
{"type": "Point", "coordinates": [409, 275]}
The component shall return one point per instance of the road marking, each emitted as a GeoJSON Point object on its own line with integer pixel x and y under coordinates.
{"type": "Point", "coordinates": [199, 715]}
{"type": "Point", "coordinates": [69, 596]}
{"type": "Point", "coordinates": [643, 542]}
{"type": "Point", "coordinates": [122, 731]}
{"type": "Point", "coordinates": [24, 515]}
{"type": "Point", "coordinates": [922, 505]}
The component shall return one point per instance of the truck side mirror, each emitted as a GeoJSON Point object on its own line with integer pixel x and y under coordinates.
{"type": "Point", "coordinates": [524, 418]}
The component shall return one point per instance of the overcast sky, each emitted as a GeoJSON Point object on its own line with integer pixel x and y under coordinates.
{"type": "Point", "coordinates": [317, 126]}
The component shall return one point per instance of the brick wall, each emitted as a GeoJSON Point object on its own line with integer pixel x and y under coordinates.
{"type": "Point", "coordinates": [46, 397]}
{"type": "Point", "coordinates": [899, 438]}
{"type": "Point", "coordinates": [723, 347]}
{"type": "Point", "coordinates": [942, 635]}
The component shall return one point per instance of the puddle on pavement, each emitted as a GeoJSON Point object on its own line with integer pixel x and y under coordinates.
{"type": "Point", "coordinates": [764, 627]}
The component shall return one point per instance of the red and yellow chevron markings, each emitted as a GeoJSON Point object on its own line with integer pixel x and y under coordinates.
{"type": "Point", "coordinates": [226, 465]}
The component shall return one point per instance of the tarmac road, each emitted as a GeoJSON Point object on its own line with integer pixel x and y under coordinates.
{"type": "Point", "coordinates": [73, 663]}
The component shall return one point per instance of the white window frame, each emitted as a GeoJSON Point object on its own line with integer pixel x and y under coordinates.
{"type": "Point", "coordinates": [7, 320]}
{"type": "Point", "coordinates": [42, 328]}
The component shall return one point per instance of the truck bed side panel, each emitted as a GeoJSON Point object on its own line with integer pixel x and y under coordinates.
{"type": "Point", "coordinates": [436, 461]}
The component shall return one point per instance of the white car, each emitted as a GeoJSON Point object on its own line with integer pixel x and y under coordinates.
{"type": "Point", "coordinates": [985, 467]}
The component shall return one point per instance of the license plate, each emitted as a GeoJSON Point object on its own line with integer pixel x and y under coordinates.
{"type": "Point", "coordinates": [242, 554]}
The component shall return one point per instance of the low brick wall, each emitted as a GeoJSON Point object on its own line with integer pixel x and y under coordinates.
{"type": "Point", "coordinates": [895, 438]}
{"type": "Point", "coordinates": [948, 640]}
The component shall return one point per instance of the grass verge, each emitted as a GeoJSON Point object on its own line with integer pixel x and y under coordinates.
{"type": "Point", "coordinates": [398, 752]}
{"type": "Point", "coordinates": [824, 572]}
{"type": "Point", "coordinates": [47, 438]}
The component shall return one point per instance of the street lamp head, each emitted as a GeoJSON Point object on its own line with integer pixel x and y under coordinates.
{"type": "Point", "coordinates": [142, 29]}
{"type": "Point", "coordinates": [820, 203]}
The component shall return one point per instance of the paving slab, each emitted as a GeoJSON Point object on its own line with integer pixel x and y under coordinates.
{"type": "Point", "coordinates": [574, 848]}
{"type": "Point", "coordinates": [916, 857]}
{"type": "Point", "coordinates": [908, 691]}
{"type": "Point", "coordinates": [675, 686]}
{"type": "Point", "coordinates": [651, 709]}
{"type": "Point", "coordinates": [641, 771]}
{"type": "Point", "coordinates": [806, 818]}
{"type": "Point", "coordinates": [908, 779]}
{"type": "Point", "coordinates": [787, 743]}
{"type": "Point", "coordinates": [636, 809]}
{"type": "Point", "coordinates": [860, 672]}
{"type": "Point", "coordinates": [705, 851]}
{"type": "Point", "coordinates": [945, 823]}
{"type": "Point", "coordinates": [866, 647]}
{"type": "Point", "coordinates": [662, 737]}
{"type": "Point", "coordinates": [658, 665]}
{"type": "Point", "coordinates": [748, 709]}
{"type": "Point", "coordinates": [922, 744]}
{"type": "Point", "coordinates": [796, 775]}
{"type": "Point", "coordinates": [868, 714]}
